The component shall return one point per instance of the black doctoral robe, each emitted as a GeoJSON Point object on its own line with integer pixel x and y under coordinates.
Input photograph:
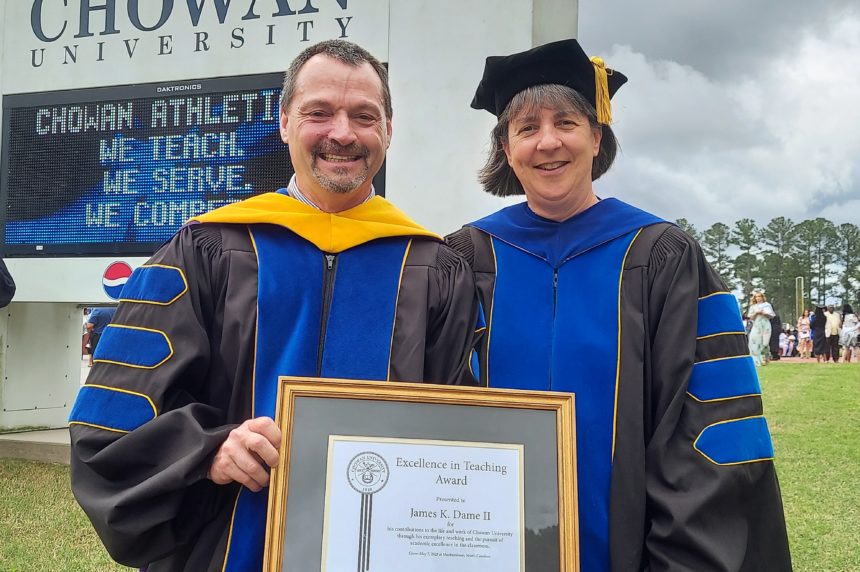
{"type": "Point", "coordinates": [674, 455]}
{"type": "Point", "coordinates": [263, 288]}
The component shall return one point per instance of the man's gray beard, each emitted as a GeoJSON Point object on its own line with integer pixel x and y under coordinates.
{"type": "Point", "coordinates": [340, 187]}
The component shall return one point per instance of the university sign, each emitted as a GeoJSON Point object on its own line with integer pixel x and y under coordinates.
{"type": "Point", "coordinates": [79, 40]}
{"type": "Point", "coordinates": [101, 20]}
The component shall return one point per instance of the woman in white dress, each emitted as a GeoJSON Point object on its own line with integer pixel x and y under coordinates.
{"type": "Point", "coordinates": [848, 337]}
{"type": "Point", "coordinates": [760, 312]}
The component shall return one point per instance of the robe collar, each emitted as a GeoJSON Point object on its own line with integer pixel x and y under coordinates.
{"type": "Point", "coordinates": [330, 232]}
{"type": "Point", "coordinates": [557, 242]}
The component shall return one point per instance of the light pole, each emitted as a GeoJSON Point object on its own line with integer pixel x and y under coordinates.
{"type": "Point", "coordinates": [799, 302]}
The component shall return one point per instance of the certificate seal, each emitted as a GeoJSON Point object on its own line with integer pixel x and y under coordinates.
{"type": "Point", "coordinates": [367, 473]}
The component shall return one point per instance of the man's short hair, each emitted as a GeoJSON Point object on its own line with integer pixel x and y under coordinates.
{"type": "Point", "coordinates": [344, 52]}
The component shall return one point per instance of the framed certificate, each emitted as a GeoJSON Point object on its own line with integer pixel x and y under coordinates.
{"type": "Point", "coordinates": [384, 477]}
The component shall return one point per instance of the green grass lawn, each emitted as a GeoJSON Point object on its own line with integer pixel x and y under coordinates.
{"type": "Point", "coordinates": [814, 415]}
{"type": "Point", "coordinates": [41, 525]}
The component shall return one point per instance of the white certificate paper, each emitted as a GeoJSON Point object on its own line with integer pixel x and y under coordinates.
{"type": "Point", "coordinates": [416, 505]}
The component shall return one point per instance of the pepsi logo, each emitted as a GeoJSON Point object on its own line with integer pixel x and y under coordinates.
{"type": "Point", "coordinates": [114, 278]}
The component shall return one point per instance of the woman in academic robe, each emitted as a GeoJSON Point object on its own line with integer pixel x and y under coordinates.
{"type": "Point", "coordinates": [819, 339]}
{"type": "Point", "coordinates": [674, 456]}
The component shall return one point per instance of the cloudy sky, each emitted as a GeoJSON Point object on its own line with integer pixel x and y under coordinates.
{"type": "Point", "coordinates": [735, 108]}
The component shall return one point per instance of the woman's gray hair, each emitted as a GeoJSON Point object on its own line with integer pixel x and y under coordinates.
{"type": "Point", "coordinates": [498, 178]}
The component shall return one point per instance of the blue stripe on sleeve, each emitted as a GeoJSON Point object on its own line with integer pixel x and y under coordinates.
{"type": "Point", "coordinates": [736, 441]}
{"type": "Point", "coordinates": [155, 284]}
{"type": "Point", "coordinates": [111, 409]}
{"type": "Point", "coordinates": [724, 379]}
{"type": "Point", "coordinates": [133, 347]}
{"type": "Point", "coordinates": [718, 314]}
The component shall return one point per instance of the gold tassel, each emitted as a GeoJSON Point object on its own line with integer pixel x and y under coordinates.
{"type": "Point", "coordinates": [601, 92]}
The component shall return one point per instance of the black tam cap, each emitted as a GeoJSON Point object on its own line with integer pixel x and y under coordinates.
{"type": "Point", "coordinates": [563, 63]}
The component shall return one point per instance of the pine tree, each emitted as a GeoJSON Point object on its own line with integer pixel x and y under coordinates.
{"type": "Point", "coordinates": [745, 235]}
{"type": "Point", "coordinates": [715, 244]}
{"type": "Point", "coordinates": [848, 256]}
{"type": "Point", "coordinates": [778, 269]}
{"type": "Point", "coordinates": [823, 243]}
{"type": "Point", "coordinates": [802, 255]}
{"type": "Point", "coordinates": [688, 227]}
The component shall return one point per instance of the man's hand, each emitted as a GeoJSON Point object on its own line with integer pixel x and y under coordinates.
{"type": "Point", "coordinates": [246, 452]}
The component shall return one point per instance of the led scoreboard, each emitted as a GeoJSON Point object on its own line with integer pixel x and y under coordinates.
{"type": "Point", "coordinates": [119, 169]}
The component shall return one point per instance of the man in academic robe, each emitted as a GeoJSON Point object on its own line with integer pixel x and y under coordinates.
{"type": "Point", "coordinates": [172, 436]}
{"type": "Point", "coordinates": [776, 330]}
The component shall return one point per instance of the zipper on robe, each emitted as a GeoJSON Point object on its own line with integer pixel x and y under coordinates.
{"type": "Point", "coordinates": [328, 286]}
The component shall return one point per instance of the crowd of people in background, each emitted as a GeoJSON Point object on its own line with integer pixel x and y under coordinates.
{"type": "Point", "coordinates": [824, 333]}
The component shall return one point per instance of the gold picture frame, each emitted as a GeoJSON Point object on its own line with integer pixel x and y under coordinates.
{"type": "Point", "coordinates": [310, 410]}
